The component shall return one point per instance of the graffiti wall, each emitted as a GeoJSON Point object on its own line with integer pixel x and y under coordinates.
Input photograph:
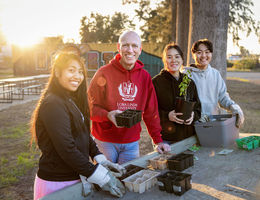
{"type": "Point", "coordinates": [98, 55]}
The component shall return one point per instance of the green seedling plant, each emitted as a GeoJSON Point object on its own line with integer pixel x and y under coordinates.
{"type": "Point", "coordinates": [185, 84]}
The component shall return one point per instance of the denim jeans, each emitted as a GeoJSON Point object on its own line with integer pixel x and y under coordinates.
{"type": "Point", "coordinates": [119, 153]}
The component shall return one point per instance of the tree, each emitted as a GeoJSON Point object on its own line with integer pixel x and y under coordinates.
{"type": "Point", "coordinates": [241, 19]}
{"type": "Point", "coordinates": [105, 29]}
{"type": "Point", "coordinates": [240, 16]}
{"type": "Point", "coordinates": [182, 24]}
{"type": "Point", "coordinates": [243, 51]}
{"type": "Point", "coordinates": [195, 19]}
{"type": "Point", "coordinates": [157, 27]}
{"type": "Point", "coordinates": [209, 19]}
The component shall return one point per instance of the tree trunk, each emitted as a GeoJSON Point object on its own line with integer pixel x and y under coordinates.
{"type": "Point", "coordinates": [209, 19]}
{"type": "Point", "coordinates": [173, 7]}
{"type": "Point", "coordinates": [182, 25]}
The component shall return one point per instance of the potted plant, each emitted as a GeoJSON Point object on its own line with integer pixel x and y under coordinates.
{"type": "Point", "coordinates": [183, 103]}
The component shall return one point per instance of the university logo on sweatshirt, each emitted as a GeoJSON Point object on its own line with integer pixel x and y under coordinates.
{"type": "Point", "coordinates": [128, 91]}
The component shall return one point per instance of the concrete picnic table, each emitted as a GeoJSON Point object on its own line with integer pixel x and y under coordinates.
{"type": "Point", "coordinates": [235, 175]}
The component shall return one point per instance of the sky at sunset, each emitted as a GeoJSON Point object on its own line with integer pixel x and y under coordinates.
{"type": "Point", "coordinates": [25, 22]}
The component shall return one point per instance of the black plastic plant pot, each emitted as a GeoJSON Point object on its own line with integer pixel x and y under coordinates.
{"type": "Point", "coordinates": [177, 162]}
{"type": "Point", "coordinates": [188, 181]}
{"type": "Point", "coordinates": [190, 159]}
{"type": "Point", "coordinates": [185, 107]}
{"type": "Point", "coordinates": [180, 162]}
{"type": "Point", "coordinates": [174, 182]}
{"type": "Point", "coordinates": [178, 185]}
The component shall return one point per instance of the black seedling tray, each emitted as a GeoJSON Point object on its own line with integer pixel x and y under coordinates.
{"type": "Point", "coordinates": [130, 170]}
{"type": "Point", "coordinates": [128, 118]}
{"type": "Point", "coordinates": [180, 161]}
{"type": "Point", "coordinates": [174, 182]}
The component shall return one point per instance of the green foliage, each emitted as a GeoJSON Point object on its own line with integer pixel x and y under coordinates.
{"type": "Point", "coordinates": [241, 18]}
{"type": "Point", "coordinates": [14, 132]}
{"type": "Point", "coordinates": [246, 64]}
{"type": "Point", "coordinates": [185, 84]}
{"type": "Point", "coordinates": [243, 51]}
{"type": "Point", "coordinates": [104, 29]}
{"type": "Point", "coordinates": [11, 171]}
{"type": "Point", "coordinates": [229, 64]}
{"type": "Point", "coordinates": [3, 161]}
{"type": "Point", "coordinates": [18, 161]}
{"type": "Point", "coordinates": [157, 22]}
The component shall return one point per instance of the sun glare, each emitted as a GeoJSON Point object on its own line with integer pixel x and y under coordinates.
{"type": "Point", "coordinates": [25, 40]}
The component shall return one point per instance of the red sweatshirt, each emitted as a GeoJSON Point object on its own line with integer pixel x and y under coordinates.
{"type": "Point", "coordinates": [115, 88]}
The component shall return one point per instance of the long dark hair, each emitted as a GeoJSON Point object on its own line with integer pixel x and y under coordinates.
{"type": "Point", "coordinates": [60, 62]}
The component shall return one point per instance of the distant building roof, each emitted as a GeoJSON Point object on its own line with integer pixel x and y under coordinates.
{"type": "Point", "coordinates": [234, 57]}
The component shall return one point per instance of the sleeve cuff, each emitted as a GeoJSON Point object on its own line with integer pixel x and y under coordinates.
{"type": "Point", "coordinates": [100, 158]}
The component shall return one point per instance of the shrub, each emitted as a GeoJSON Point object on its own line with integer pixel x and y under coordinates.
{"type": "Point", "coordinates": [229, 64]}
{"type": "Point", "coordinates": [246, 64]}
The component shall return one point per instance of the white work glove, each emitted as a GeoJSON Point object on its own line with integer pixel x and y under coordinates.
{"type": "Point", "coordinates": [204, 118]}
{"type": "Point", "coordinates": [87, 188]}
{"type": "Point", "coordinates": [116, 169]}
{"type": "Point", "coordinates": [107, 181]}
{"type": "Point", "coordinates": [240, 115]}
{"type": "Point", "coordinates": [112, 116]}
{"type": "Point", "coordinates": [114, 186]}
{"type": "Point", "coordinates": [163, 147]}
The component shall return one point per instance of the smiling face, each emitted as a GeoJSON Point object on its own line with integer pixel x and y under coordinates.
{"type": "Point", "coordinates": [173, 61]}
{"type": "Point", "coordinates": [129, 47]}
{"type": "Point", "coordinates": [72, 76]}
{"type": "Point", "coordinates": [202, 56]}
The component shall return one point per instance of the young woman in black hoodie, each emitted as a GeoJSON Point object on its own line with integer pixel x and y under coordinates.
{"type": "Point", "coordinates": [166, 85]}
{"type": "Point", "coordinates": [60, 126]}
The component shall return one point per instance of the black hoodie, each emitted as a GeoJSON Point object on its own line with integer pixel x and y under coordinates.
{"type": "Point", "coordinates": [167, 89]}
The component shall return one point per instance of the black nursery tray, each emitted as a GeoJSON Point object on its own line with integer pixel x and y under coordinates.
{"type": "Point", "coordinates": [174, 182]}
{"type": "Point", "coordinates": [130, 170]}
{"type": "Point", "coordinates": [128, 118]}
{"type": "Point", "coordinates": [180, 161]}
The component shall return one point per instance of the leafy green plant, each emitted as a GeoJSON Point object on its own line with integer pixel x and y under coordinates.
{"type": "Point", "coordinates": [185, 84]}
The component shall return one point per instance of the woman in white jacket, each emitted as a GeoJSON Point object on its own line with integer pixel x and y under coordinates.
{"type": "Point", "coordinates": [211, 87]}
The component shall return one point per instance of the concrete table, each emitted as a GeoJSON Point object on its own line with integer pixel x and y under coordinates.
{"type": "Point", "coordinates": [232, 176]}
